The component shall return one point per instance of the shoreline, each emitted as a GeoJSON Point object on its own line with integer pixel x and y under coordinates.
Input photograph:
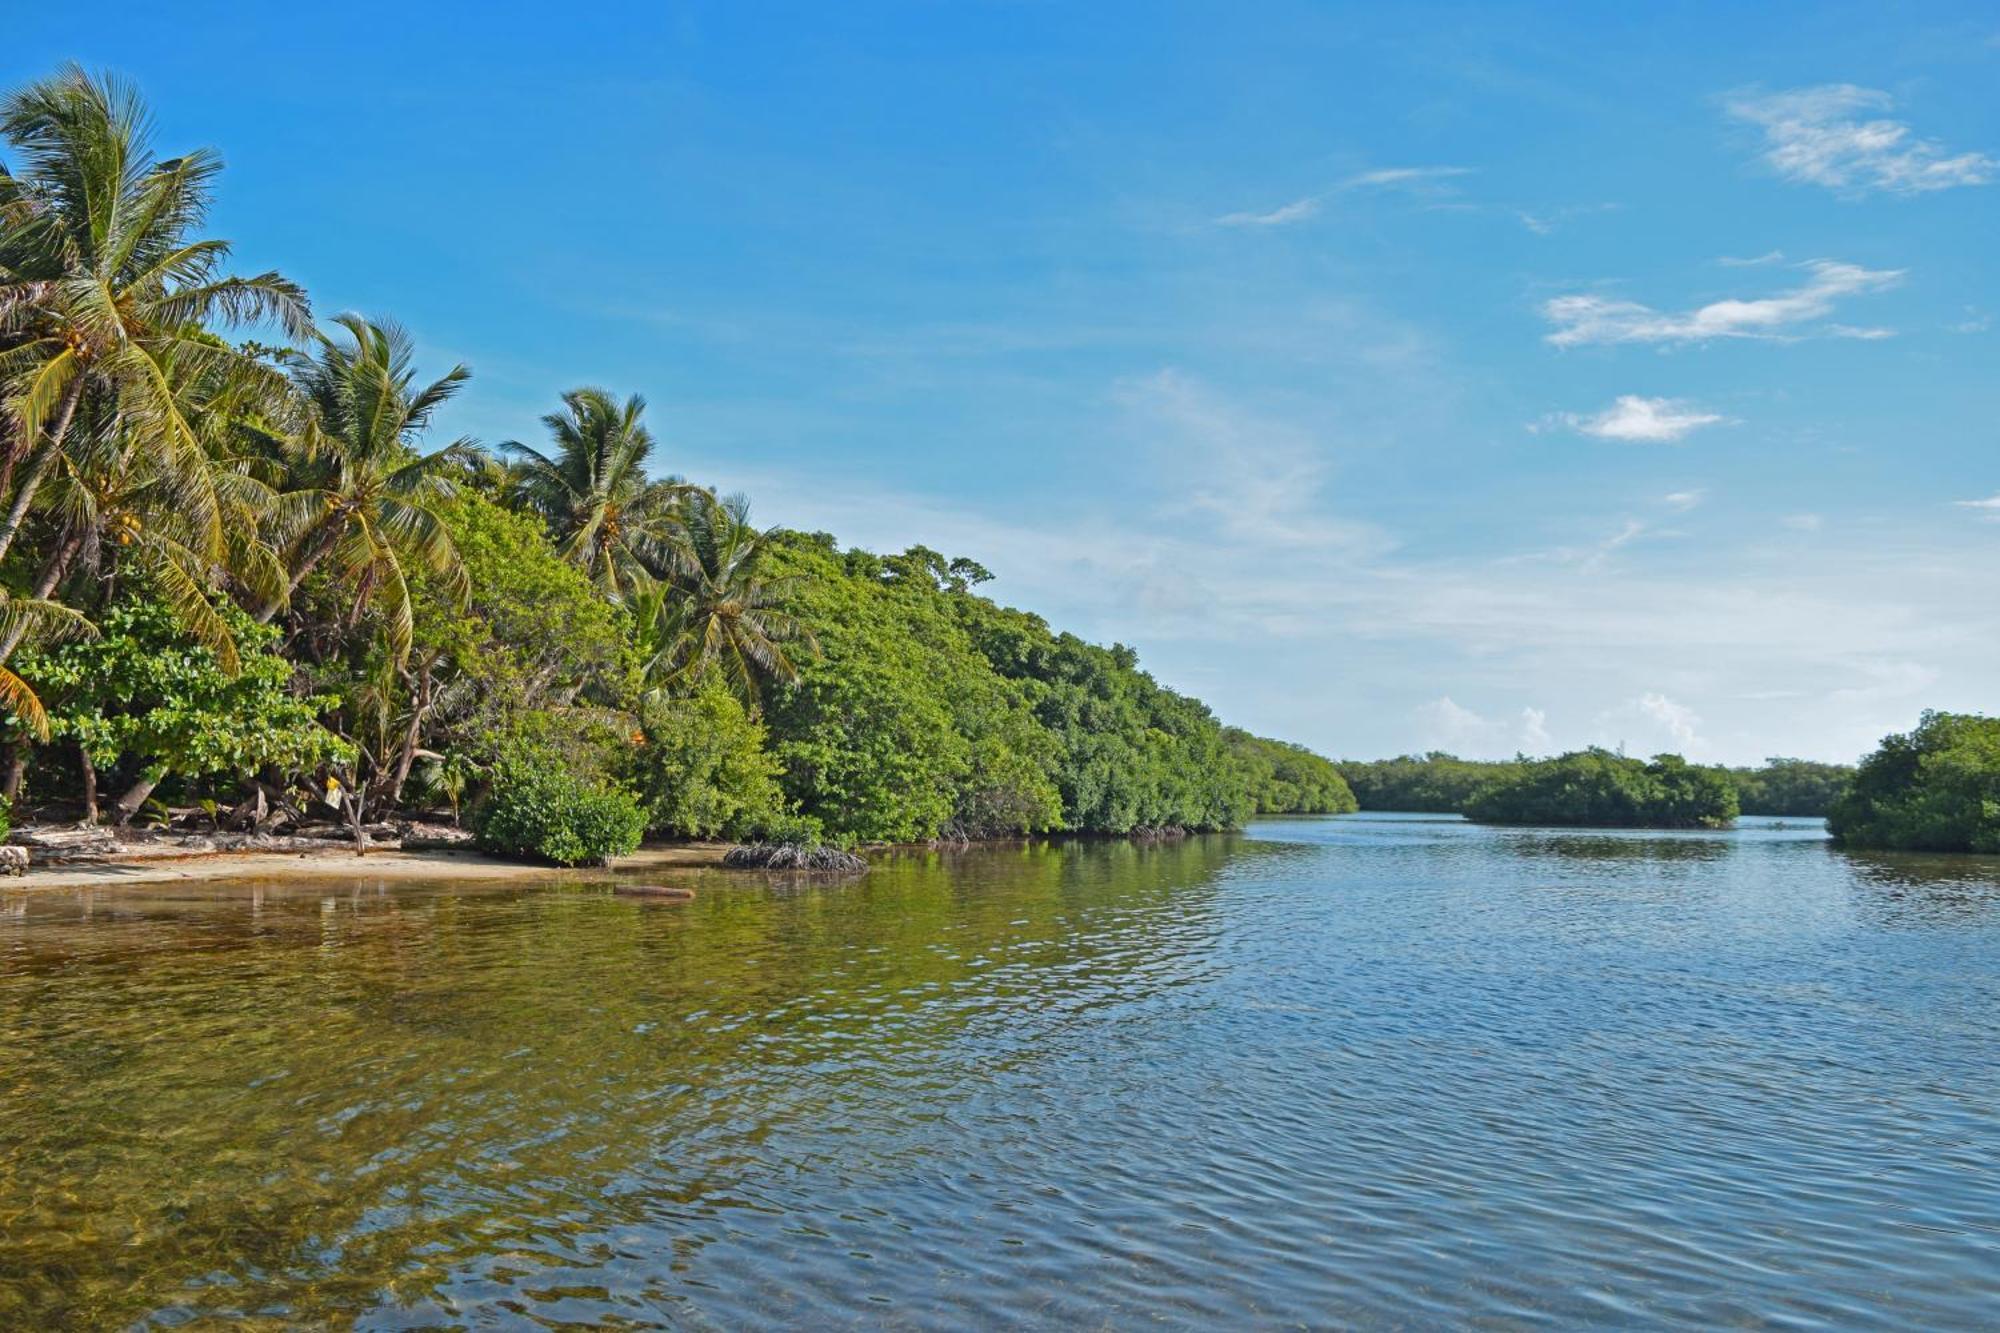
{"type": "Point", "coordinates": [384, 863]}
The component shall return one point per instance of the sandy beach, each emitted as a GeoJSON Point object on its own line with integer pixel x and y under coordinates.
{"type": "Point", "coordinates": [341, 863]}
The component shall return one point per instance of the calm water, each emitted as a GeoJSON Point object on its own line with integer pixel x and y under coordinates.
{"type": "Point", "coordinates": [1377, 1070]}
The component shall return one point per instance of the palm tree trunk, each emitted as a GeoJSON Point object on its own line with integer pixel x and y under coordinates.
{"type": "Point", "coordinates": [39, 469]}
{"type": "Point", "coordinates": [318, 552]}
{"type": "Point", "coordinates": [52, 574]}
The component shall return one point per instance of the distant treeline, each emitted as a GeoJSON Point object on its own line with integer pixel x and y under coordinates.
{"type": "Point", "coordinates": [1445, 784]}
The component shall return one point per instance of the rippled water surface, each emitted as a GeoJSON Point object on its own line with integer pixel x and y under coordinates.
{"type": "Point", "coordinates": [1375, 1070]}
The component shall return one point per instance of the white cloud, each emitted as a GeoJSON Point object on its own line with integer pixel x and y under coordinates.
{"type": "Point", "coordinates": [1820, 136]}
{"type": "Point", "coordinates": [1535, 737]}
{"type": "Point", "coordinates": [1803, 522]}
{"type": "Point", "coordinates": [1411, 176]}
{"type": "Point", "coordinates": [1754, 261]}
{"type": "Point", "coordinates": [1641, 420]}
{"type": "Point", "coordinates": [1584, 319]}
{"type": "Point", "coordinates": [1988, 508]}
{"type": "Point", "coordinates": [1657, 722]}
{"type": "Point", "coordinates": [1445, 724]}
{"type": "Point", "coordinates": [1682, 501]}
{"type": "Point", "coordinates": [1296, 211]}
{"type": "Point", "coordinates": [1301, 210]}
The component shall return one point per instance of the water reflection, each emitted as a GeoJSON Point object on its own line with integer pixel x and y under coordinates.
{"type": "Point", "coordinates": [1350, 1072]}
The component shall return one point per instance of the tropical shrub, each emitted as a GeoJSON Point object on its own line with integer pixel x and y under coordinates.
{"type": "Point", "coordinates": [539, 811]}
{"type": "Point", "coordinates": [702, 770]}
{"type": "Point", "coordinates": [1598, 788]}
{"type": "Point", "coordinates": [146, 702]}
{"type": "Point", "coordinates": [1936, 788]}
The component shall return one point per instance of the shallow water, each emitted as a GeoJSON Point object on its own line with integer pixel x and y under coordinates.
{"type": "Point", "coordinates": [1374, 1070]}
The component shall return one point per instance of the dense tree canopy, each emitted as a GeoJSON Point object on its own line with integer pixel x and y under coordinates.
{"type": "Point", "coordinates": [1433, 783]}
{"type": "Point", "coordinates": [1445, 784]}
{"type": "Point", "coordinates": [1934, 789]}
{"type": "Point", "coordinates": [1598, 788]}
{"type": "Point", "coordinates": [1791, 787]}
{"type": "Point", "coordinates": [1287, 779]}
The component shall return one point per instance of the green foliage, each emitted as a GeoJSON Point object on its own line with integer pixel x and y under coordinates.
{"type": "Point", "coordinates": [1434, 783]}
{"type": "Point", "coordinates": [879, 737]}
{"type": "Point", "coordinates": [1287, 779]}
{"type": "Point", "coordinates": [6, 818]}
{"type": "Point", "coordinates": [539, 810]}
{"type": "Point", "coordinates": [1934, 789]}
{"type": "Point", "coordinates": [148, 696]}
{"type": "Point", "coordinates": [703, 770]}
{"type": "Point", "coordinates": [1600, 789]}
{"type": "Point", "coordinates": [932, 711]}
{"type": "Point", "coordinates": [1791, 787]}
{"type": "Point", "coordinates": [531, 655]}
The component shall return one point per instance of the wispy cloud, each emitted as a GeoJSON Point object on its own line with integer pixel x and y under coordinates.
{"type": "Point", "coordinates": [1752, 261]}
{"type": "Point", "coordinates": [1302, 209]}
{"type": "Point", "coordinates": [1803, 522]}
{"type": "Point", "coordinates": [1987, 508]}
{"type": "Point", "coordinates": [1640, 420]}
{"type": "Point", "coordinates": [1404, 176]}
{"type": "Point", "coordinates": [1682, 501]}
{"type": "Point", "coordinates": [1256, 478]}
{"type": "Point", "coordinates": [1296, 211]}
{"type": "Point", "coordinates": [1585, 319]}
{"type": "Point", "coordinates": [1824, 136]}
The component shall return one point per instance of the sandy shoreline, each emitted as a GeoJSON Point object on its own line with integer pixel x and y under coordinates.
{"type": "Point", "coordinates": [341, 863]}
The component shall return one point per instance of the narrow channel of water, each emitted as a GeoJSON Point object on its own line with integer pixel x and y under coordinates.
{"type": "Point", "coordinates": [1373, 1070]}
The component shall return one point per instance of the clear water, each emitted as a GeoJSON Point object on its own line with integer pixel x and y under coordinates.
{"type": "Point", "coordinates": [1371, 1071]}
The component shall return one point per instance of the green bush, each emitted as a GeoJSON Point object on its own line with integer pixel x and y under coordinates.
{"type": "Point", "coordinates": [703, 771]}
{"type": "Point", "coordinates": [6, 818]}
{"type": "Point", "coordinates": [541, 812]}
{"type": "Point", "coordinates": [1934, 789]}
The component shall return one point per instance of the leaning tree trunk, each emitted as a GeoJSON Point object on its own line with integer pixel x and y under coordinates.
{"type": "Point", "coordinates": [420, 707]}
{"type": "Point", "coordinates": [39, 469]}
{"type": "Point", "coordinates": [134, 797]}
{"type": "Point", "coordinates": [321, 545]}
{"type": "Point", "coordinates": [52, 574]}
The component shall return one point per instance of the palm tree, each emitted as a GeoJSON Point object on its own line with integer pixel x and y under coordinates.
{"type": "Point", "coordinates": [44, 622]}
{"type": "Point", "coordinates": [717, 610]}
{"type": "Point", "coordinates": [102, 287]}
{"type": "Point", "coordinates": [356, 491]}
{"type": "Point", "coordinates": [606, 515]}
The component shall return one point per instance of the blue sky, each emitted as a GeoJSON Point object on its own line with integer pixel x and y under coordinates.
{"type": "Point", "coordinates": [1392, 377]}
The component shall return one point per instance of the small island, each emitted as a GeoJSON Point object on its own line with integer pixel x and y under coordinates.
{"type": "Point", "coordinates": [1600, 789]}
